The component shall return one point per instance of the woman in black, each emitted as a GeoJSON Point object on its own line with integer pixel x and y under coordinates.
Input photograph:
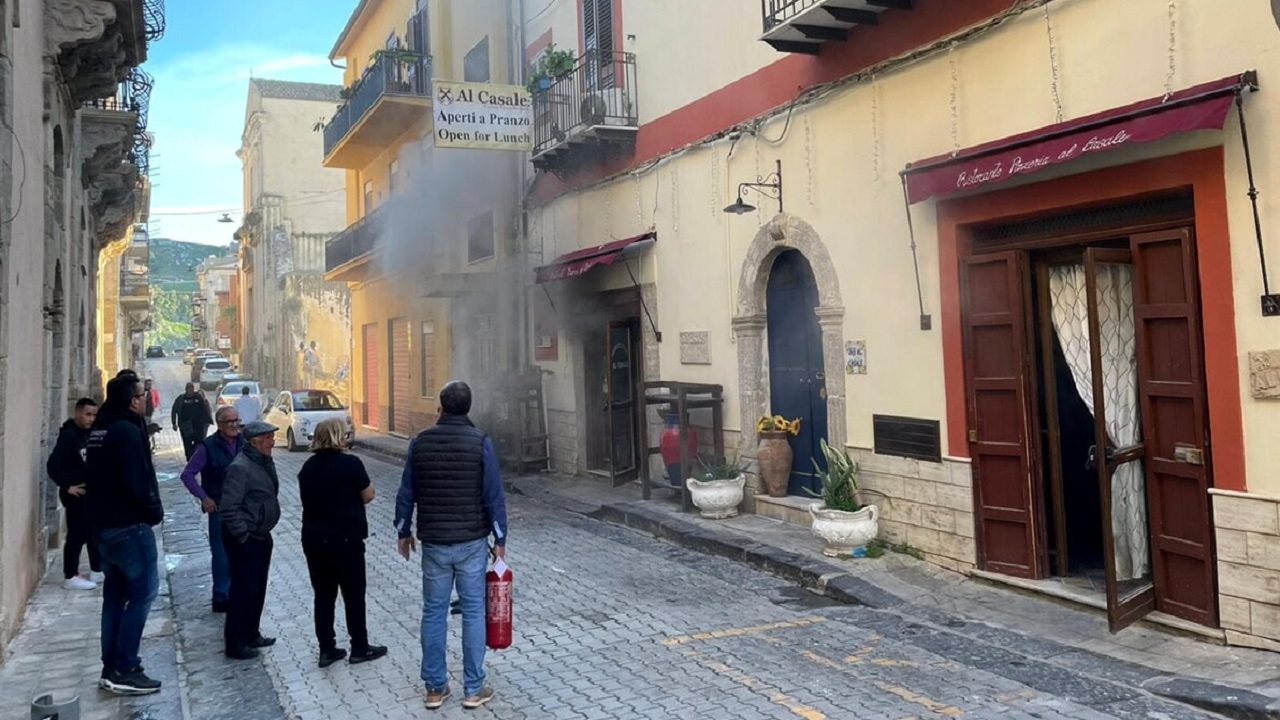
{"type": "Point", "coordinates": [335, 488]}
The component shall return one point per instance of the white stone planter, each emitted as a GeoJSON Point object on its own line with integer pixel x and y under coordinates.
{"type": "Point", "coordinates": [844, 531]}
{"type": "Point", "coordinates": [717, 499]}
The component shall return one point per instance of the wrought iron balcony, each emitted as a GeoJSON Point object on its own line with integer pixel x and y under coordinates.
{"type": "Point", "coordinates": [392, 94]}
{"type": "Point", "coordinates": [802, 26]}
{"type": "Point", "coordinates": [133, 96]}
{"type": "Point", "coordinates": [358, 240]}
{"type": "Point", "coordinates": [153, 19]}
{"type": "Point", "coordinates": [588, 115]}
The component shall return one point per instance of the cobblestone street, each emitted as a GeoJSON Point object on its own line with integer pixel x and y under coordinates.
{"type": "Point", "coordinates": [610, 624]}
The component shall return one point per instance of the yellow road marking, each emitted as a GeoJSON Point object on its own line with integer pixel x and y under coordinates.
{"type": "Point", "coordinates": [909, 696]}
{"type": "Point", "coordinates": [773, 694]}
{"type": "Point", "coordinates": [738, 632]}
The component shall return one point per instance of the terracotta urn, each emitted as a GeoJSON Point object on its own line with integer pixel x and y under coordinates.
{"type": "Point", "coordinates": [774, 457]}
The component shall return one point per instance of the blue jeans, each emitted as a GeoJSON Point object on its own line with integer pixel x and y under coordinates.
{"type": "Point", "coordinates": [128, 556]}
{"type": "Point", "coordinates": [443, 567]}
{"type": "Point", "coordinates": [221, 564]}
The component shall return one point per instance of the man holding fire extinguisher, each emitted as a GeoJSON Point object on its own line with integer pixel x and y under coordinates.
{"type": "Point", "coordinates": [453, 480]}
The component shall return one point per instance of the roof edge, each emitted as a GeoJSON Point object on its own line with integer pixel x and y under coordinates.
{"type": "Point", "coordinates": [356, 15]}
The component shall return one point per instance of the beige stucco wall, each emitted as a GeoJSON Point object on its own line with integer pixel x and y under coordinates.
{"type": "Point", "coordinates": [841, 155]}
{"type": "Point", "coordinates": [290, 155]}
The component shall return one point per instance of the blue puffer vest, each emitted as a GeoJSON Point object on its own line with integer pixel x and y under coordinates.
{"type": "Point", "coordinates": [215, 470]}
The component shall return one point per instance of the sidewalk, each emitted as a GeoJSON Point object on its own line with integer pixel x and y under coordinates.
{"type": "Point", "coordinates": [1049, 636]}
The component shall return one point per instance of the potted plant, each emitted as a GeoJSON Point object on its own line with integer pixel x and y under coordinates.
{"type": "Point", "coordinates": [774, 453]}
{"type": "Point", "coordinates": [841, 520]}
{"type": "Point", "coordinates": [717, 488]}
{"type": "Point", "coordinates": [553, 65]}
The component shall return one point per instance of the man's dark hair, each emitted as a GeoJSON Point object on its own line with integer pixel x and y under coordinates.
{"type": "Point", "coordinates": [120, 392]}
{"type": "Point", "coordinates": [127, 372]}
{"type": "Point", "coordinates": [244, 390]}
{"type": "Point", "coordinates": [191, 386]}
{"type": "Point", "coordinates": [455, 398]}
{"type": "Point", "coordinates": [85, 402]}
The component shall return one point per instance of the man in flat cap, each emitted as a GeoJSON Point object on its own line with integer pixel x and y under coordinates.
{"type": "Point", "coordinates": [250, 509]}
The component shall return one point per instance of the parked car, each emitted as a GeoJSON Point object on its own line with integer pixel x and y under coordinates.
{"type": "Point", "coordinates": [188, 355]}
{"type": "Point", "coordinates": [155, 351]}
{"type": "Point", "coordinates": [212, 370]}
{"type": "Point", "coordinates": [233, 387]}
{"type": "Point", "coordinates": [199, 362]}
{"type": "Point", "coordinates": [297, 413]}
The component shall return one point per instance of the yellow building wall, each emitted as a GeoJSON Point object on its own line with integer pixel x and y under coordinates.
{"type": "Point", "coordinates": [377, 302]}
{"type": "Point", "coordinates": [841, 156]}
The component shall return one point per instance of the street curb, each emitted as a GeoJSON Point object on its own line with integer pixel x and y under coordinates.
{"type": "Point", "coordinates": [835, 583]}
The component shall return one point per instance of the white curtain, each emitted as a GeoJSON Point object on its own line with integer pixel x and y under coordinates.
{"type": "Point", "coordinates": [1070, 311]}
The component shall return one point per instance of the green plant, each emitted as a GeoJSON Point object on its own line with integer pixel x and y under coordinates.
{"type": "Point", "coordinates": [553, 65]}
{"type": "Point", "coordinates": [718, 469]}
{"type": "Point", "coordinates": [877, 548]}
{"type": "Point", "coordinates": [839, 480]}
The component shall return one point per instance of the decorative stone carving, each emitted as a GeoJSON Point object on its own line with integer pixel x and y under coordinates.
{"type": "Point", "coordinates": [69, 23]}
{"type": "Point", "coordinates": [695, 347]}
{"type": "Point", "coordinates": [91, 44]}
{"type": "Point", "coordinates": [106, 136]}
{"type": "Point", "coordinates": [1264, 374]}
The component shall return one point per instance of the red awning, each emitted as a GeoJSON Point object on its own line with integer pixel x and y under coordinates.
{"type": "Point", "coordinates": [573, 264]}
{"type": "Point", "coordinates": [1202, 107]}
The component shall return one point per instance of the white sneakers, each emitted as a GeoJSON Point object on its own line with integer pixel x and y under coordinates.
{"type": "Point", "coordinates": [79, 583]}
{"type": "Point", "coordinates": [97, 577]}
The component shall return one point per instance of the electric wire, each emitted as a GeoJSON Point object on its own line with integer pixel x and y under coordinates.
{"type": "Point", "coordinates": [22, 154]}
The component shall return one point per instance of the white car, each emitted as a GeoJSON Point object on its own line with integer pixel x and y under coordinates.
{"type": "Point", "coordinates": [296, 413]}
{"type": "Point", "coordinates": [212, 371]}
{"type": "Point", "coordinates": [230, 392]}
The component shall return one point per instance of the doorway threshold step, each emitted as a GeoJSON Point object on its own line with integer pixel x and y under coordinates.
{"type": "Point", "coordinates": [792, 509]}
{"type": "Point", "coordinates": [1097, 601]}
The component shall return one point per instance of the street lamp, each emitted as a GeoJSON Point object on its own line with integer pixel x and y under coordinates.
{"type": "Point", "coordinates": [769, 186]}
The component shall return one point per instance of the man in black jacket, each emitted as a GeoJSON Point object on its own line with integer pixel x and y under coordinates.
{"type": "Point", "coordinates": [191, 417]}
{"type": "Point", "coordinates": [126, 505]}
{"type": "Point", "coordinates": [67, 470]}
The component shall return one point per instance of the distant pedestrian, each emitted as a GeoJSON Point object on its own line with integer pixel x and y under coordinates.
{"type": "Point", "coordinates": [191, 417]}
{"type": "Point", "coordinates": [250, 509]}
{"type": "Point", "coordinates": [335, 488]}
{"type": "Point", "coordinates": [249, 407]}
{"type": "Point", "coordinates": [66, 467]}
{"type": "Point", "coordinates": [153, 400]}
{"type": "Point", "coordinates": [121, 482]}
{"type": "Point", "coordinates": [212, 457]}
{"type": "Point", "coordinates": [453, 479]}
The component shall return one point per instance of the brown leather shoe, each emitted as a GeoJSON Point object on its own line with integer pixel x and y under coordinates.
{"type": "Point", "coordinates": [471, 702]}
{"type": "Point", "coordinates": [436, 698]}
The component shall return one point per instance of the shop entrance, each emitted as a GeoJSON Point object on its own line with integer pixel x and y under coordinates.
{"type": "Point", "coordinates": [612, 369]}
{"type": "Point", "coordinates": [1087, 403]}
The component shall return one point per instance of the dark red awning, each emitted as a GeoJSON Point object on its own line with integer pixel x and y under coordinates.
{"type": "Point", "coordinates": [1203, 107]}
{"type": "Point", "coordinates": [573, 264]}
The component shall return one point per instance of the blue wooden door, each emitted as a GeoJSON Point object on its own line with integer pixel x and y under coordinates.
{"type": "Point", "coordinates": [797, 384]}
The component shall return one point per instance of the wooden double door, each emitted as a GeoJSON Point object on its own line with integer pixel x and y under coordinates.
{"type": "Point", "coordinates": [1164, 453]}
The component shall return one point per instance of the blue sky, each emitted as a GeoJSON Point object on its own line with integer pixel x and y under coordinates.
{"type": "Point", "coordinates": [202, 68]}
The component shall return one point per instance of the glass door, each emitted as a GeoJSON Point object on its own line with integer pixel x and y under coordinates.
{"type": "Point", "coordinates": [620, 404]}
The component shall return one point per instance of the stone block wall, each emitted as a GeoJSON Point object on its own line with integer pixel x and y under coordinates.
{"type": "Point", "coordinates": [1247, 527]}
{"type": "Point", "coordinates": [562, 427]}
{"type": "Point", "coordinates": [927, 505]}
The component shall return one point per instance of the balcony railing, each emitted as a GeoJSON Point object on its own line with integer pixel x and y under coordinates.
{"type": "Point", "coordinates": [392, 73]}
{"type": "Point", "coordinates": [359, 239]}
{"type": "Point", "coordinates": [153, 19]}
{"type": "Point", "coordinates": [802, 26]}
{"type": "Point", "coordinates": [599, 92]}
{"type": "Point", "coordinates": [134, 96]}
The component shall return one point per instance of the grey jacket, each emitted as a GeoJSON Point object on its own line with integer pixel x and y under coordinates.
{"type": "Point", "coordinates": [250, 505]}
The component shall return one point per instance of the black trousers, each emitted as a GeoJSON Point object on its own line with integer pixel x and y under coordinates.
{"type": "Point", "coordinates": [250, 566]}
{"type": "Point", "coordinates": [338, 565]}
{"type": "Point", "coordinates": [79, 534]}
{"type": "Point", "coordinates": [191, 440]}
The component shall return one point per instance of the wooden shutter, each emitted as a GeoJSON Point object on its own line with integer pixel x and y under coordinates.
{"type": "Point", "coordinates": [1174, 422]}
{"type": "Point", "coordinates": [372, 410]}
{"type": "Point", "coordinates": [398, 330]}
{"type": "Point", "coordinates": [997, 378]}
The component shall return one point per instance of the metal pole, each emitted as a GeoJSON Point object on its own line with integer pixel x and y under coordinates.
{"type": "Point", "coordinates": [1253, 191]}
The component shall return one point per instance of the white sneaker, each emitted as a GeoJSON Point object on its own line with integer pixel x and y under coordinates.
{"type": "Point", "coordinates": [79, 583]}
{"type": "Point", "coordinates": [97, 577]}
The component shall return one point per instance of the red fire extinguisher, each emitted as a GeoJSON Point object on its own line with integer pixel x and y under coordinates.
{"type": "Point", "coordinates": [497, 615]}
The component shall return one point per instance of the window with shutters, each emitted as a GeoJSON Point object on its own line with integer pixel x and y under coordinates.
{"type": "Point", "coordinates": [475, 66]}
{"type": "Point", "coordinates": [597, 42]}
{"type": "Point", "coordinates": [428, 359]}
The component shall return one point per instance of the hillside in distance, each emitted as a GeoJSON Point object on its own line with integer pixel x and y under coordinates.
{"type": "Point", "coordinates": [172, 263]}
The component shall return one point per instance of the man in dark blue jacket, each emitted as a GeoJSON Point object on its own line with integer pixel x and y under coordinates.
{"type": "Point", "coordinates": [67, 470]}
{"type": "Point", "coordinates": [210, 461]}
{"type": "Point", "coordinates": [126, 505]}
{"type": "Point", "coordinates": [453, 478]}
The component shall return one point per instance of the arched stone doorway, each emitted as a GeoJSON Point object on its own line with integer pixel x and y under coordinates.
{"type": "Point", "coordinates": [750, 326]}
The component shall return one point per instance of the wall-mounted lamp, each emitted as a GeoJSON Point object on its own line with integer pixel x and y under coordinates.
{"type": "Point", "coordinates": [769, 186]}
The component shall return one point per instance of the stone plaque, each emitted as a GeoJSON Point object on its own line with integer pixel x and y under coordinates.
{"type": "Point", "coordinates": [1264, 374]}
{"type": "Point", "coordinates": [695, 347]}
{"type": "Point", "coordinates": [855, 357]}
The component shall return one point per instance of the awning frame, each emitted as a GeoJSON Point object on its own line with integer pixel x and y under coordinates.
{"type": "Point", "coordinates": [605, 254]}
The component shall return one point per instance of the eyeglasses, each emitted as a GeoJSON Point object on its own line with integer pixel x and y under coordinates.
{"type": "Point", "coordinates": [228, 422]}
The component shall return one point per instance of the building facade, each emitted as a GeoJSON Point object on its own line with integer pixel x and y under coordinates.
{"type": "Point", "coordinates": [430, 250]}
{"type": "Point", "coordinates": [297, 326]}
{"type": "Point", "coordinates": [216, 307]}
{"type": "Point", "coordinates": [918, 284]}
{"type": "Point", "coordinates": [73, 103]}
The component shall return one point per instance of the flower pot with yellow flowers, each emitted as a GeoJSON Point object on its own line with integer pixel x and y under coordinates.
{"type": "Point", "coordinates": [774, 452]}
